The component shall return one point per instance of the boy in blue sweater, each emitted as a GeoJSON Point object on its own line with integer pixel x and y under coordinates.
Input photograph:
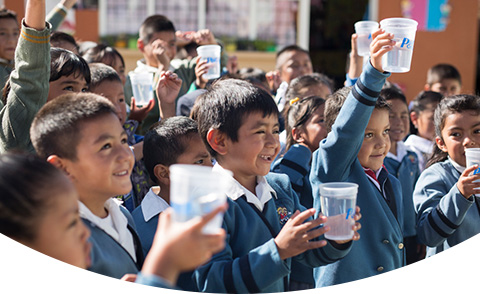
{"type": "Point", "coordinates": [266, 225]}
{"type": "Point", "coordinates": [354, 151]}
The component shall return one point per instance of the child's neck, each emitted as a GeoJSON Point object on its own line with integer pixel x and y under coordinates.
{"type": "Point", "coordinates": [164, 193]}
{"type": "Point", "coordinates": [393, 147]}
{"type": "Point", "coordinates": [95, 204]}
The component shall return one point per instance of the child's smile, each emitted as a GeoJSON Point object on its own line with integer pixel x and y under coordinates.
{"type": "Point", "coordinates": [376, 142]}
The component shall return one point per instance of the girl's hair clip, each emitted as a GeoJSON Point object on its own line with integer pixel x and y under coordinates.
{"type": "Point", "coordinates": [294, 100]}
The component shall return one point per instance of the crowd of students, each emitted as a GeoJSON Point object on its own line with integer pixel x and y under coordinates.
{"type": "Point", "coordinates": [84, 171]}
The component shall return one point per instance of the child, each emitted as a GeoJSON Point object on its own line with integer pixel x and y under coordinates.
{"type": "Point", "coordinates": [305, 129]}
{"type": "Point", "coordinates": [39, 208]}
{"type": "Point", "coordinates": [403, 164]}
{"type": "Point", "coordinates": [64, 40]}
{"type": "Point", "coordinates": [421, 114]}
{"type": "Point", "coordinates": [107, 55]}
{"type": "Point", "coordinates": [448, 211]}
{"type": "Point", "coordinates": [354, 151]}
{"type": "Point", "coordinates": [239, 124]}
{"type": "Point", "coordinates": [9, 32]}
{"type": "Point", "coordinates": [444, 79]}
{"type": "Point", "coordinates": [173, 140]}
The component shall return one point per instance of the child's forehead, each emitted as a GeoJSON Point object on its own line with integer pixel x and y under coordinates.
{"type": "Point", "coordinates": [166, 36]}
{"type": "Point", "coordinates": [8, 23]}
{"type": "Point", "coordinates": [257, 118]}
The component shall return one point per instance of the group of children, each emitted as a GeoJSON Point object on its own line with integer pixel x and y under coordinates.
{"type": "Point", "coordinates": [96, 191]}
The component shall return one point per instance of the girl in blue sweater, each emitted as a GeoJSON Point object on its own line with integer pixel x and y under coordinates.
{"type": "Point", "coordinates": [448, 211]}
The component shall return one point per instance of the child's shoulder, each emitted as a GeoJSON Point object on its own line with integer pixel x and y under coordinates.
{"type": "Point", "coordinates": [279, 182]}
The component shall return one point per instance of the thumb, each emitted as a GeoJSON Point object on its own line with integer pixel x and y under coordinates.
{"type": "Point", "coordinates": [132, 103]}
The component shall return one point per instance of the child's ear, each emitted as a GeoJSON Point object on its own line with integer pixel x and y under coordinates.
{"type": "Point", "coordinates": [426, 87]}
{"type": "Point", "coordinates": [297, 135]}
{"type": "Point", "coordinates": [59, 163]}
{"type": "Point", "coordinates": [140, 45]}
{"type": "Point", "coordinates": [413, 118]}
{"type": "Point", "coordinates": [441, 144]}
{"type": "Point", "coordinates": [217, 140]}
{"type": "Point", "coordinates": [162, 174]}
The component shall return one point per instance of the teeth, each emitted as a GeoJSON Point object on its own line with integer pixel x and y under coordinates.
{"type": "Point", "coordinates": [265, 157]}
{"type": "Point", "coordinates": [121, 173]}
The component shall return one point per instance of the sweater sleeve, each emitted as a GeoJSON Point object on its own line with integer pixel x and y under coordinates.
{"type": "Point", "coordinates": [56, 16]}
{"type": "Point", "coordinates": [440, 207]}
{"type": "Point", "coordinates": [29, 88]}
{"type": "Point", "coordinates": [296, 164]}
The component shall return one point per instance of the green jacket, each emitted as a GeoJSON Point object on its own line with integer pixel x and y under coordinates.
{"type": "Point", "coordinates": [29, 88]}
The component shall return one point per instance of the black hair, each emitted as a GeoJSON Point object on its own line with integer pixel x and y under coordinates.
{"type": "Point", "coordinates": [288, 49]}
{"type": "Point", "coordinates": [7, 13]}
{"type": "Point", "coordinates": [446, 107]}
{"type": "Point", "coordinates": [102, 53]}
{"type": "Point", "coordinates": [65, 63]}
{"type": "Point", "coordinates": [442, 71]}
{"type": "Point", "coordinates": [154, 24]}
{"type": "Point", "coordinates": [56, 129]}
{"type": "Point", "coordinates": [166, 141]}
{"type": "Point", "coordinates": [100, 73]}
{"type": "Point", "coordinates": [25, 193]}
{"type": "Point", "coordinates": [58, 36]}
{"type": "Point", "coordinates": [393, 93]}
{"type": "Point", "coordinates": [308, 80]}
{"type": "Point", "coordinates": [226, 104]}
{"type": "Point", "coordinates": [423, 99]}
{"type": "Point", "coordinates": [298, 114]}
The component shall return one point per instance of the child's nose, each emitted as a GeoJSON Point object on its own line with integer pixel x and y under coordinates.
{"type": "Point", "coordinates": [468, 142]}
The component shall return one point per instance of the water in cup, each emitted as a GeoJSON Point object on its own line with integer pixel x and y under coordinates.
{"type": "Point", "coordinates": [210, 53]}
{"type": "Point", "coordinates": [142, 87]}
{"type": "Point", "coordinates": [399, 59]}
{"type": "Point", "coordinates": [364, 30]}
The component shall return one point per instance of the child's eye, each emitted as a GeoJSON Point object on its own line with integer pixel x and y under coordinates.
{"type": "Point", "coordinates": [124, 141]}
{"type": "Point", "coordinates": [198, 161]}
{"type": "Point", "coordinates": [69, 88]}
{"type": "Point", "coordinates": [106, 146]}
{"type": "Point", "coordinates": [368, 135]}
{"type": "Point", "coordinates": [121, 100]}
{"type": "Point", "coordinates": [386, 132]}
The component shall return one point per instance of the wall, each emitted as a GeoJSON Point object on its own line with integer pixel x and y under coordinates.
{"type": "Point", "coordinates": [456, 45]}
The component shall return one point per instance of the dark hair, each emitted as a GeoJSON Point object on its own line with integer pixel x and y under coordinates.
{"type": "Point", "coordinates": [308, 80]}
{"type": "Point", "coordinates": [298, 114]}
{"type": "Point", "coordinates": [102, 53]}
{"type": "Point", "coordinates": [166, 141]}
{"type": "Point", "coordinates": [100, 73]}
{"type": "Point", "coordinates": [7, 13]}
{"type": "Point", "coordinates": [58, 36]}
{"type": "Point", "coordinates": [65, 63]}
{"type": "Point", "coordinates": [450, 105]}
{"type": "Point", "coordinates": [154, 24]}
{"type": "Point", "coordinates": [288, 49]}
{"type": "Point", "coordinates": [335, 102]}
{"type": "Point", "coordinates": [226, 104]}
{"type": "Point", "coordinates": [393, 93]}
{"type": "Point", "coordinates": [442, 71]}
{"type": "Point", "coordinates": [56, 129]}
{"type": "Point", "coordinates": [423, 99]}
{"type": "Point", "coordinates": [25, 185]}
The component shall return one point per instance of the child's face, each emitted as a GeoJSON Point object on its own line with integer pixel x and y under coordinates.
{"type": "Point", "coordinates": [120, 68]}
{"type": "Point", "coordinates": [376, 142]}
{"type": "Point", "coordinates": [399, 120]}
{"type": "Point", "coordinates": [61, 233]}
{"type": "Point", "coordinates": [113, 91]}
{"type": "Point", "coordinates": [423, 121]}
{"type": "Point", "coordinates": [314, 129]}
{"type": "Point", "coordinates": [296, 63]}
{"type": "Point", "coordinates": [447, 87]}
{"type": "Point", "coordinates": [196, 153]}
{"type": "Point", "coordinates": [161, 40]}
{"type": "Point", "coordinates": [461, 131]}
{"type": "Point", "coordinates": [66, 84]}
{"type": "Point", "coordinates": [9, 32]}
{"type": "Point", "coordinates": [319, 90]}
{"type": "Point", "coordinates": [257, 146]}
{"type": "Point", "coordinates": [104, 160]}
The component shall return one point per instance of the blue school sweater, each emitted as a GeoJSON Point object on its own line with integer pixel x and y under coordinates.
{"type": "Point", "coordinates": [380, 248]}
{"type": "Point", "coordinates": [109, 258]}
{"type": "Point", "coordinates": [296, 164]}
{"type": "Point", "coordinates": [250, 262]}
{"type": "Point", "coordinates": [445, 218]}
{"type": "Point", "coordinates": [407, 172]}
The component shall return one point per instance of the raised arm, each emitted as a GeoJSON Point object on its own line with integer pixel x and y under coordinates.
{"type": "Point", "coordinates": [57, 15]}
{"type": "Point", "coordinates": [35, 14]}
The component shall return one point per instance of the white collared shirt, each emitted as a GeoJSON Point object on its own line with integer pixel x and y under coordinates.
{"type": "Point", "coordinates": [115, 224]}
{"type": "Point", "coordinates": [401, 152]}
{"type": "Point", "coordinates": [153, 204]}
{"type": "Point", "coordinates": [263, 191]}
{"type": "Point", "coordinates": [457, 166]}
{"type": "Point", "coordinates": [420, 146]}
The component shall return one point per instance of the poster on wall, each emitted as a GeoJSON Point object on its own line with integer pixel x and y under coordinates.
{"type": "Point", "coordinates": [431, 15]}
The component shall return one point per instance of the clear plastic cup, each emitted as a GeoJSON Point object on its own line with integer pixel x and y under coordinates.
{"type": "Point", "coordinates": [197, 190]}
{"type": "Point", "coordinates": [364, 30]}
{"type": "Point", "coordinates": [473, 157]}
{"type": "Point", "coordinates": [338, 201]}
{"type": "Point", "coordinates": [211, 53]}
{"type": "Point", "coordinates": [142, 87]}
{"type": "Point", "coordinates": [399, 58]}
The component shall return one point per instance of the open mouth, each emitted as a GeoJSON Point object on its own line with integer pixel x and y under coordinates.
{"type": "Point", "coordinates": [266, 157]}
{"type": "Point", "coordinates": [122, 173]}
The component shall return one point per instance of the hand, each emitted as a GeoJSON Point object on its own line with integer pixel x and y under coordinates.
{"type": "Point", "coordinates": [129, 278]}
{"type": "Point", "coordinates": [381, 44]}
{"type": "Point", "coordinates": [357, 226]}
{"type": "Point", "coordinates": [232, 64]}
{"type": "Point", "coordinates": [356, 61]}
{"type": "Point", "coordinates": [205, 37]}
{"type": "Point", "coordinates": [201, 68]}
{"type": "Point", "coordinates": [273, 80]}
{"type": "Point", "coordinates": [140, 113]}
{"type": "Point", "coordinates": [68, 3]}
{"type": "Point", "coordinates": [466, 183]}
{"type": "Point", "coordinates": [295, 236]}
{"type": "Point", "coordinates": [138, 150]}
{"type": "Point", "coordinates": [168, 87]}
{"type": "Point", "coordinates": [181, 247]}
{"type": "Point", "coordinates": [184, 38]}
{"type": "Point", "coordinates": [161, 54]}
{"type": "Point", "coordinates": [35, 14]}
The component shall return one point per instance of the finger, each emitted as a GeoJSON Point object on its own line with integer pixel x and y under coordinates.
{"type": "Point", "coordinates": [209, 216]}
{"type": "Point", "coordinates": [302, 217]}
{"type": "Point", "coordinates": [315, 244]}
{"type": "Point", "coordinates": [316, 233]}
{"type": "Point", "coordinates": [132, 103]}
{"type": "Point", "coordinates": [469, 170]}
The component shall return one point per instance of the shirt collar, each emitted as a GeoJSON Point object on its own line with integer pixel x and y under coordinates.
{"type": "Point", "coordinates": [263, 191]}
{"type": "Point", "coordinates": [457, 166]}
{"type": "Point", "coordinates": [401, 152]}
{"type": "Point", "coordinates": [153, 204]}
{"type": "Point", "coordinates": [422, 144]}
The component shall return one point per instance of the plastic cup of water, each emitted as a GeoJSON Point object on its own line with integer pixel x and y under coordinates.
{"type": "Point", "coordinates": [473, 157]}
{"type": "Point", "coordinates": [399, 58]}
{"type": "Point", "coordinates": [338, 201]}
{"type": "Point", "coordinates": [142, 86]}
{"type": "Point", "coordinates": [197, 190]}
{"type": "Point", "coordinates": [364, 30]}
{"type": "Point", "coordinates": [210, 53]}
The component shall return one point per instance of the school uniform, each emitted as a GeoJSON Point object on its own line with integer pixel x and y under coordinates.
{"type": "Point", "coordinates": [250, 262]}
{"type": "Point", "coordinates": [146, 217]}
{"type": "Point", "coordinates": [380, 248]}
{"type": "Point", "coordinates": [116, 248]}
{"type": "Point", "coordinates": [6, 68]}
{"type": "Point", "coordinates": [422, 147]}
{"type": "Point", "coordinates": [445, 217]}
{"type": "Point", "coordinates": [29, 88]}
{"type": "Point", "coordinates": [296, 164]}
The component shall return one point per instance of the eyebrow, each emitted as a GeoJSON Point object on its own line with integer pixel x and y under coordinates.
{"type": "Point", "coordinates": [105, 137]}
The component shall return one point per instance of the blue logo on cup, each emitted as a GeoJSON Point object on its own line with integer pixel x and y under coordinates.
{"type": "Point", "coordinates": [351, 213]}
{"type": "Point", "coordinates": [407, 43]}
{"type": "Point", "coordinates": [211, 59]}
{"type": "Point", "coordinates": [477, 171]}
